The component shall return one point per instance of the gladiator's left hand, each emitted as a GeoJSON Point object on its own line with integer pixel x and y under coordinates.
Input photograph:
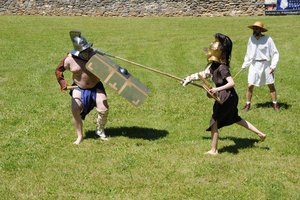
{"type": "Point", "coordinates": [213, 90]}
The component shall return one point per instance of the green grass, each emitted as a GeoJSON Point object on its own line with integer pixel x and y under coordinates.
{"type": "Point", "coordinates": [155, 151]}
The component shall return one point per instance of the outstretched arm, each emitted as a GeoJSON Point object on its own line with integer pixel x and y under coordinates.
{"type": "Point", "coordinates": [199, 75]}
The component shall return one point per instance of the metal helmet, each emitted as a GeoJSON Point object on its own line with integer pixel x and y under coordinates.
{"type": "Point", "coordinates": [214, 52]}
{"type": "Point", "coordinates": [79, 42]}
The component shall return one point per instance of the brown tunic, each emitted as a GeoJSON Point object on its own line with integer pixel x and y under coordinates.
{"type": "Point", "coordinates": [227, 113]}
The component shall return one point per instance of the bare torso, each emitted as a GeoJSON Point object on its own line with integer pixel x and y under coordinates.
{"type": "Point", "coordinates": [81, 76]}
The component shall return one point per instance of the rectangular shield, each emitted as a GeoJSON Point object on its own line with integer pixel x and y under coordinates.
{"type": "Point", "coordinates": [118, 79]}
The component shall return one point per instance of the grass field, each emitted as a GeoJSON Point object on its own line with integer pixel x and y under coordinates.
{"type": "Point", "coordinates": [155, 151]}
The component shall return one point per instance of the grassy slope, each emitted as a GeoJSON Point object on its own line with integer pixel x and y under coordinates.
{"type": "Point", "coordinates": [155, 151]}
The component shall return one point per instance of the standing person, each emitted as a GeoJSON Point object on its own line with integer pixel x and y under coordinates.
{"type": "Point", "coordinates": [90, 92]}
{"type": "Point", "coordinates": [224, 114]}
{"type": "Point", "coordinates": [262, 56]}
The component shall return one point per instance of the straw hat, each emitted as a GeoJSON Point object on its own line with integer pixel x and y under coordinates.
{"type": "Point", "coordinates": [260, 25]}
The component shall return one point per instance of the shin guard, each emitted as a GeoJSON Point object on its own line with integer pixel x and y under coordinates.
{"type": "Point", "coordinates": [100, 124]}
{"type": "Point", "coordinates": [101, 120]}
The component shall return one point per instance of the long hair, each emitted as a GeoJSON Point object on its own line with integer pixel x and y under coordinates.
{"type": "Point", "coordinates": [226, 44]}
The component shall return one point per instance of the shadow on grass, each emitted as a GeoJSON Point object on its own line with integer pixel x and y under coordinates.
{"type": "Point", "coordinates": [130, 132]}
{"type": "Point", "coordinates": [282, 105]}
{"type": "Point", "coordinates": [239, 143]}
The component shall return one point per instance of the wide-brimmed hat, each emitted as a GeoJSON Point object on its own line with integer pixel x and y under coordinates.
{"type": "Point", "coordinates": [259, 25]}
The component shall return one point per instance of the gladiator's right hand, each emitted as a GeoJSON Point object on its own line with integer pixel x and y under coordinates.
{"type": "Point", "coordinates": [186, 81]}
{"type": "Point", "coordinates": [63, 85]}
{"type": "Point", "coordinates": [64, 88]}
{"type": "Point", "coordinates": [189, 79]}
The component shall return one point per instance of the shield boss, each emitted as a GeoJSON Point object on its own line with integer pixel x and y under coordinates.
{"type": "Point", "coordinates": [118, 79]}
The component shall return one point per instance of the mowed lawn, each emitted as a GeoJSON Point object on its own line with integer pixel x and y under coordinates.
{"type": "Point", "coordinates": [155, 151]}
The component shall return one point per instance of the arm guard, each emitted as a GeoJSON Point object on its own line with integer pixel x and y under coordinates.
{"type": "Point", "coordinates": [60, 76]}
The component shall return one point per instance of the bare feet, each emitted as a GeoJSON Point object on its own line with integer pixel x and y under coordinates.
{"type": "Point", "coordinates": [212, 152]}
{"type": "Point", "coordinates": [78, 141]}
{"type": "Point", "coordinates": [262, 137]}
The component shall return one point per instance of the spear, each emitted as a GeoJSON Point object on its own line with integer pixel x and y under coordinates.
{"type": "Point", "coordinates": [237, 73]}
{"type": "Point", "coordinates": [206, 85]}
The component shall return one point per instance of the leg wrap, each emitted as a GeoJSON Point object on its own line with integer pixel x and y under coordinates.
{"type": "Point", "coordinates": [101, 120]}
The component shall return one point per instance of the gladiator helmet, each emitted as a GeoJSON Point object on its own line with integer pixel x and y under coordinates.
{"type": "Point", "coordinates": [79, 42]}
{"type": "Point", "coordinates": [220, 50]}
{"type": "Point", "coordinates": [214, 52]}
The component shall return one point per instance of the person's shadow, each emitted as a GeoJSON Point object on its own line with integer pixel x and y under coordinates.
{"type": "Point", "coordinates": [239, 143]}
{"type": "Point", "coordinates": [130, 132]}
{"type": "Point", "coordinates": [282, 105]}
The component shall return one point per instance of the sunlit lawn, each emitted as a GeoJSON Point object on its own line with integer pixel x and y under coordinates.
{"type": "Point", "coordinates": [155, 151]}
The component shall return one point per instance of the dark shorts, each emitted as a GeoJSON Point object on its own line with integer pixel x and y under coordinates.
{"type": "Point", "coordinates": [88, 98]}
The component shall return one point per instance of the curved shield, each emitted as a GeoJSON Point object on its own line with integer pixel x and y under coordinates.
{"type": "Point", "coordinates": [118, 79]}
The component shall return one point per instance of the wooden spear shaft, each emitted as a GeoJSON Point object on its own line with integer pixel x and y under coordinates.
{"type": "Point", "coordinates": [206, 87]}
{"type": "Point", "coordinates": [237, 73]}
{"type": "Point", "coordinates": [70, 87]}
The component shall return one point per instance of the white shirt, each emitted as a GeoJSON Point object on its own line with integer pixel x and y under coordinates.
{"type": "Point", "coordinates": [263, 49]}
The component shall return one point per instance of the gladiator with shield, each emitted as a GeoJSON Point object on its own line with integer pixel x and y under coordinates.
{"type": "Point", "coordinates": [88, 66]}
{"type": "Point", "coordinates": [88, 90]}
